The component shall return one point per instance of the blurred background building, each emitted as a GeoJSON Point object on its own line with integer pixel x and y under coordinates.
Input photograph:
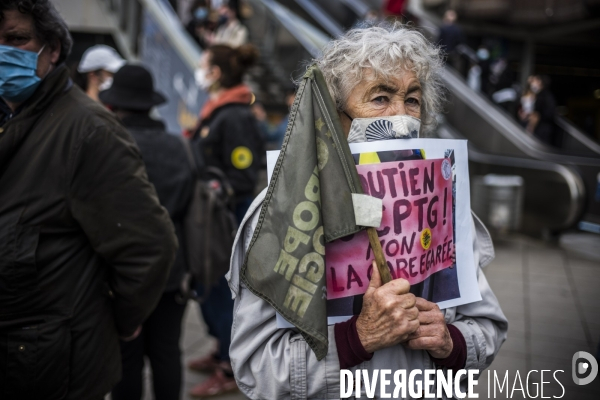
{"type": "Point", "coordinates": [493, 47]}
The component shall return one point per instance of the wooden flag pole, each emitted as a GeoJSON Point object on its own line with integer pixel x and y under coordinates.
{"type": "Point", "coordinates": [382, 266]}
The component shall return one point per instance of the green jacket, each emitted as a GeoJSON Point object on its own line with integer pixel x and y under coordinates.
{"type": "Point", "coordinates": [85, 247]}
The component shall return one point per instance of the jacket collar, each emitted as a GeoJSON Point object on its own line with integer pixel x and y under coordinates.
{"type": "Point", "coordinates": [54, 84]}
{"type": "Point", "coordinates": [6, 113]}
{"type": "Point", "coordinates": [240, 94]}
{"type": "Point", "coordinates": [16, 128]}
{"type": "Point", "coordinates": [140, 121]}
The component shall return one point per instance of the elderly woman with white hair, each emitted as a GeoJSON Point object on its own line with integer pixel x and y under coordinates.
{"type": "Point", "coordinates": [380, 71]}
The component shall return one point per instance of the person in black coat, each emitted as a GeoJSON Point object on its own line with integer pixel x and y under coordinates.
{"type": "Point", "coordinates": [131, 97]}
{"type": "Point", "coordinates": [542, 118]}
{"type": "Point", "coordinates": [85, 246]}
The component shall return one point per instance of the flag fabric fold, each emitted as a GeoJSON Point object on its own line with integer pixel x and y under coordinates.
{"type": "Point", "coordinates": [308, 203]}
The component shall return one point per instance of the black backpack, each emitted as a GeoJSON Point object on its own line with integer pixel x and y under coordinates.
{"type": "Point", "coordinates": [209, 228]}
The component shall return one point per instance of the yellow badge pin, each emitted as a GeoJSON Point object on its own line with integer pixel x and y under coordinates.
{"type": "Point", "coordinates": [426, 238]}
{"type": "Point", "coordinates": [241, 157]}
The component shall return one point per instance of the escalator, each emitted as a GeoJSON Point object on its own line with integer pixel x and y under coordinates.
{"type": "Point", "coordinates": [497, 144]}
{"type": "Point", "coordinates": [288, 38]}
{"type": "Point", "coordinates": [470, 114]}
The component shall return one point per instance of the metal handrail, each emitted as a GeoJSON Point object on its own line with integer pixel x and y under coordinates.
{"type": "Point", "coordinates": [501, 122]}
{"type": "Point", "coordinates": [579, 136]}
{"type": "Point", "coordinates": [312, 39]}
{"type": "Point", "coordinates": [173, 29]}
{"type": "Point", "coordinates": [332, 27]}
{"type": "Point", "coordinates": [357, 6]}
{"type": "Point", "coordinates": [572, 179]}
{"type": "Point", "coordinates": [165, 17]}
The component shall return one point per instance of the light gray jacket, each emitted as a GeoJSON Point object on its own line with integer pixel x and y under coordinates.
{"type": "Point", "coordinates": [271, 363]}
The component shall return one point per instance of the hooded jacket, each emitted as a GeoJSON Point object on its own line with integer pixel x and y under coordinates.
{"type": "Point", "coordinates": [85, 247]}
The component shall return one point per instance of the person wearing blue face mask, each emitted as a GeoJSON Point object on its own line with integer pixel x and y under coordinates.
{"type": "Point", "coordinates": [19, 79]}
{"type": "Point", "coordinates": [200, 25]}
{"type": "Point", "coordinates": [85, 246]}
{"type": "Point", "coordinates": [230, 31]}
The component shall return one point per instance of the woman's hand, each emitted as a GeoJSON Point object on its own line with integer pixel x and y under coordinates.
{"type": "Point", "coordinates": [134, 336]}
{"type": "Point", "coordinates": [432, 334]}
{"type": "Point", "coordinates": [534, 119]}
{"type": "Point", "coordinates": [388, 314]}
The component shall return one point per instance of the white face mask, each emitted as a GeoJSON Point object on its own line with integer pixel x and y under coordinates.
{"type": "Point", "coordinates": [483, 54]}
{"type": "Point", "coordinates": [106, 84]}
{"type": "Point", "coordinates": [384, 128]}
{"type": "Point", "coordinates": [202, 81]}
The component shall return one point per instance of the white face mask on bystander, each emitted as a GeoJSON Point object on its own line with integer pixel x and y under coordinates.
{"type": "Point", "coordinates": [535, 87]}
{"type": "Point", "coordinates": [202, 81]}
{"type": "Point", "coordinates": [106, 84]}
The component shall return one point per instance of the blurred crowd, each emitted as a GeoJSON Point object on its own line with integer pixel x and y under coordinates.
{"type": "Point", "coordinates": [487, 71]}
{"type": "Point", "coordinates": [228, 138]}
{"type": "Point", "coordinates": [227, 149]}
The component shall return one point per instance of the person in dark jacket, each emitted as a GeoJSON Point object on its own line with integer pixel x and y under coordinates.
{"type": "Point", "coordinates": [227, 134]}
{"type": "Point", "coordinates": [228, 137]}
{"type": "Point", "coordinates": [450, 37]}
{"type": "Point", "coordinates": [85, 246]}
{"type": "Point", "coordinates": [541, 121]}
{"type": "Point", "coordinates": [131, 97]}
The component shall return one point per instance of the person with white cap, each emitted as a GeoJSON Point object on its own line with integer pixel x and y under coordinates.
{"type": "Point", "coordinates": [97, 67]}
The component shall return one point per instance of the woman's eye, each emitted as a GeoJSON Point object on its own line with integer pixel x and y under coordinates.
{"type": "Point", "coordinates": [17, 39]}
{"type": "Point", "coordinates": [412, 101]}
{"type": "Point", "coordinates": [381, 99]}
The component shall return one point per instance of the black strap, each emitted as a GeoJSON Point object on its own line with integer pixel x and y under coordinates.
{"type": "Point", "coordinates": [190, 155]}
{"type": "Point", "coordinates": [208, 171]}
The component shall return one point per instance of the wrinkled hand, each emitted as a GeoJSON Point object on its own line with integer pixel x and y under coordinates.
{"type": "Point", "coordinates": [432, 334]}
{"type": "Point", "coordinates": [388, 315]}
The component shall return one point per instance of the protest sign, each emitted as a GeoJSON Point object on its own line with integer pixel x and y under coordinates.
{"type": "Point", "coordinates": [416, 232]}
{"type": "Point", "coordinates": [424, 186]}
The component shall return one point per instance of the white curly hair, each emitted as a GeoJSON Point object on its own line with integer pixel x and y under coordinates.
{"type": "Point", "coordinates": [385, 49]}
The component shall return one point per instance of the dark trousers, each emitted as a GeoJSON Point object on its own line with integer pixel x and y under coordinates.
{"type": "Point", "coordinates": [217, 308]}
{"type": "Point", "coordinates": [217, 311]}
{"type": "Point", "coordinates": [159, 341]}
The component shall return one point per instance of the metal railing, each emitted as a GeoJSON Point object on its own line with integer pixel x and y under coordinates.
{"type": "Point", "coordinates": [576, 142]}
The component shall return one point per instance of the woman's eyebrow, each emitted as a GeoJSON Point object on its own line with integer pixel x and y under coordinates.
{"type": "Point", "coordinates": [382, 88]}
{"type": "Point", "coordinates": [18, 32]}
{"type": "Point", "coordinates": [415, 87]}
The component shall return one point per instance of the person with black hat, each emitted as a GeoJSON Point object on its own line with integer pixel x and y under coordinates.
{"type": "Point", "coordinates": [131, 97]}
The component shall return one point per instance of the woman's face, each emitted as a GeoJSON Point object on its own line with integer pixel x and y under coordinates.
{"type": "Point", "coordinates": [213, 73]}
{"type": "Point", "coordinates": [380, 97]}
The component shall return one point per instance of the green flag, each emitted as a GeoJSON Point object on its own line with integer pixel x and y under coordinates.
{"type": "Point", "coordinates": [308, 203]}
